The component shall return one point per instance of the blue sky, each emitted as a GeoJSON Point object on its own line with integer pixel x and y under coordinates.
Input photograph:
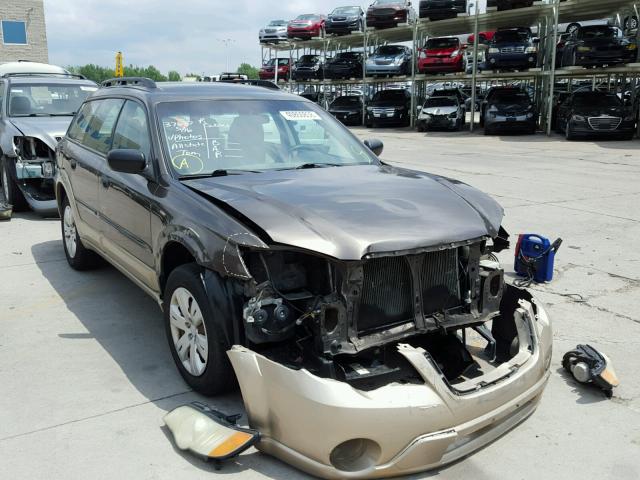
{"type": "Point", "coordinates": [181, 35]}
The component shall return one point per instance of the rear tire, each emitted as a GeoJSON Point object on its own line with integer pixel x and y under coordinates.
{"type": "Point", "coordinates": [78, 257]}
{"type": "Point", "coordinates": [194, 327]}
{"type": "Point", "coordinates": [10, 191]}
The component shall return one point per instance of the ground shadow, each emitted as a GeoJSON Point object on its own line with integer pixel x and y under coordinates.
{"type": "Point", "coordinates": [586, 394]}
{"type": "Point", "coordinates": [128, 325]}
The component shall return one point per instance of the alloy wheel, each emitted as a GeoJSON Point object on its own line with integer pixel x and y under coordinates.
{"type": "Point", "coordinates": [188, 331]}
{"type": "Point", "coordinates": [70, 233]}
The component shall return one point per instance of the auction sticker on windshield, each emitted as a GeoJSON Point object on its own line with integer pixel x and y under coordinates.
{"type": "Point", "coordinates": [294, 115]}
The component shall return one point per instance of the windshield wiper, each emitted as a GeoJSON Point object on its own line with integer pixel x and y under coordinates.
{"type": "Point", "coordinates": [316, 165]}
{"type": "Point", "coordinates": [218, 173]}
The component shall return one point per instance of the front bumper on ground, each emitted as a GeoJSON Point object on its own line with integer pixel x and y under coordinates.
{"type": "Point", "coordinates": [332, 430]}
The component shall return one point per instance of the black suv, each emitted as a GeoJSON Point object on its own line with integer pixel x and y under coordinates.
{"type": "Point", "coordinates": [344, 65]}
{"type": "Point", "coordinates": [389, 107]}
{"type": "Point", "coordinates": [308, 67]}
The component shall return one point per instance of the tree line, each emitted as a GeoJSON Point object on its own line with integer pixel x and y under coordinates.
{"type": "Point", "coordinates": [99, 74]}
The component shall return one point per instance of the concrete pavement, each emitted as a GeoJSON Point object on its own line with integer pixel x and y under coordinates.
{"type": "Point", "coordinates": [86, 375]}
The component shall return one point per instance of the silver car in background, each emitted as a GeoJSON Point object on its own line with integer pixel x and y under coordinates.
{"type": "Point", "coordinates": [275, 32]}
{"type": "Point", "coordinates": [38, 101]}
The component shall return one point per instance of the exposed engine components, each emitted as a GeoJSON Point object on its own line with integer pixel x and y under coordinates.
{"type": "Point", "coordinates": [588, 365]}
{"type": "Point", "coordinates": [267, 318]}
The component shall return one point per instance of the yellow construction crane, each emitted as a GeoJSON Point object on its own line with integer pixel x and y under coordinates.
{"type": "Point", "coordinates": [119, 65]}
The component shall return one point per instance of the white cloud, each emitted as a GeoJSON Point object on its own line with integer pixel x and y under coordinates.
{"type": "Point", "coordinates": [167, 34]}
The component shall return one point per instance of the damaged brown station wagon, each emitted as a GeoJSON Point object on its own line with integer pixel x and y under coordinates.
{"type": "Point", "coordinates": [359, 305]}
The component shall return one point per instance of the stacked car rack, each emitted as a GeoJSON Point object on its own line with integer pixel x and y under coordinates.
{"type": "Point", "coordinates": [546, 80]}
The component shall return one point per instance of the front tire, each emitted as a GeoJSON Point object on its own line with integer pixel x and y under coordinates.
{"type": "Point", "coordinates": [568, 132]}
{"type": "Point", "coordinates": [193, 323]}
{"type": "Point", "coordinates": [78, 257]}
{"type": "Point", "coordinates": [10, 191]}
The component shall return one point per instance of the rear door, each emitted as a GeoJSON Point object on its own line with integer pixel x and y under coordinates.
{"type": "Point", "coordinates": [126, 199]}
{"type": "Point", "coordinates": [83, 158]}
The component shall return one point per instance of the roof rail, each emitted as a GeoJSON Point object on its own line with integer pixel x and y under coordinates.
{"type": "Point", "coordinates": [255, 83]}
{"type": "Point", "coordinates": [44, 74]}
{"type": "Point", "coordinates": [130, 82]}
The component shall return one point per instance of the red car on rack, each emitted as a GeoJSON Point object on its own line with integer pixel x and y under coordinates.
{"type": "Point", "coordinates": [268, 71]}
{"type": "Point", "coordinates": [306, 26]}
{"type": "Point", "coordinates": [440, 55]}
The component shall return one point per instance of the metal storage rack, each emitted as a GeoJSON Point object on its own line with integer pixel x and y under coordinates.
{"type": "Point", "coordinates": [544, 15]}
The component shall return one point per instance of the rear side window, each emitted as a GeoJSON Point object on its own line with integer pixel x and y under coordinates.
{"type": "Point", "coordinates": [132, 130]}
{"type": "Point", "coordinates": [93, 126]}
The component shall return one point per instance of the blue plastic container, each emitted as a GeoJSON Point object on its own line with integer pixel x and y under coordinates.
{"type": "Point", "coordinates": [538, 248]}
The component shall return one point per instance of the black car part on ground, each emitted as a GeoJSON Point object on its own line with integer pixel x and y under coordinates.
{"type": "Point", "coordinates": [588, 365]}
{"type": "Point", "coordinates": [441, 9]}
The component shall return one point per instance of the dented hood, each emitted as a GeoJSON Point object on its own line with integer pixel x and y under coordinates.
{"type": "Point", "coordinates": [44, 128]}
{"type": "Point", "coordinates": [348, 212]}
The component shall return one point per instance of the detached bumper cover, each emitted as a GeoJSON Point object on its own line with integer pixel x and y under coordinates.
{"type": "Point", "coordinates": [402, 428]}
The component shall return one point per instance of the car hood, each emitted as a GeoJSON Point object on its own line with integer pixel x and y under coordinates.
{"type": "Point", "coordinates": [441, 51]}
{"type": "Point", "coordinates": [46, 129]}
{"type": "Point", "coordinates": [345, 108]}
{"type": "Point", "coordinates": [601, 111]}
{"type": "Point", "coordinates": [440, 110]}
{"type": "Point", "coordinates": [349, 212]}
{"type": "Point", "coordinates": [387, 103]}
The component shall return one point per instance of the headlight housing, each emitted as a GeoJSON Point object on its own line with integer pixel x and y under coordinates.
{"type": "Point", "coordinates": [578, 118]}
{"type": "Point", "coordinates": [531, 50]}
{"type": "Point", "coordinates": [494, 50]}
{"type": "Point", "coordinates": [584, 49]}
{"type": "Point", "coordinates": [455, 53]}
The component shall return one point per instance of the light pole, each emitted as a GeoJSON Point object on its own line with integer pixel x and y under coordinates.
{"type": "Point", "coordinates": [226, 42]}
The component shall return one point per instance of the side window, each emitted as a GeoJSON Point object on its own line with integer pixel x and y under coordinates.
{"type": "Point", "coordinates": [95, 127]}
{"type": "Point", "coordinates": [132, 130]}
{"type": "Point", "coordinates": [76, 129]}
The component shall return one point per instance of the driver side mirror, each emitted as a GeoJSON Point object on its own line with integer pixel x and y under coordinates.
{"type": "Point", "coordinates": [126, 160]}
{"type": "Point", "coordinates": [375, 145]}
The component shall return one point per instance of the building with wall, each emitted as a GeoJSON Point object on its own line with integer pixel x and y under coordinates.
{"type": "Point", "coordinates": [23, 35]}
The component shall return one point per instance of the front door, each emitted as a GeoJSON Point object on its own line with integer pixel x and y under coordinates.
{"type": "Point", "coordinates": [126, 199]}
